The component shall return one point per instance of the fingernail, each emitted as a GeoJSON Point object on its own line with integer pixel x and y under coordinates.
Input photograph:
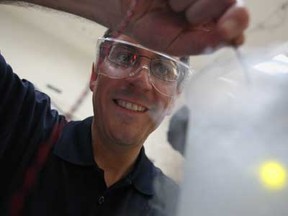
{"type": "Point", "coordinates": [229, 29]}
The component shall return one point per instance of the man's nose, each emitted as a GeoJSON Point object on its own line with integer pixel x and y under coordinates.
{"type": "Point", "coordinates": [141, 77]}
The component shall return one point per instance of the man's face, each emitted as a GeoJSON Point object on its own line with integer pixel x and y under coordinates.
{"type": "Point", "coordinates": [126, 110]}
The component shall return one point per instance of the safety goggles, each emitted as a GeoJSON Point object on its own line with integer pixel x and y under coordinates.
{"type": "Point", "coordinates": [126, 59]}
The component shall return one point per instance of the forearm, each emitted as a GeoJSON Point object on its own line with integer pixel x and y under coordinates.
{"type": "Point", "coordinates": [105, 12]}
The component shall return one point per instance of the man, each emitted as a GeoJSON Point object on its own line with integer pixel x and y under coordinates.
{"type": "Point", "coordinates": [98, 166]}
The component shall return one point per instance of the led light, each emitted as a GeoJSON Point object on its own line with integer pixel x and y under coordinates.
{"type": "Point", "coordinates": [273, 175]}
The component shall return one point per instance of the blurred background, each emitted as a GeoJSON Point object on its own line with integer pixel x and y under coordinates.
{"type": "Point", "coordinates": [236, 154]}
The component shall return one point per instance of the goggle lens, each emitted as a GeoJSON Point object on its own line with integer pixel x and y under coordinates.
{"type": "Point", "coordinates": [126, 57]}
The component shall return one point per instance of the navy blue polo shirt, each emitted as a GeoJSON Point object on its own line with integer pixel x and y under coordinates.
{"type": "Point", "coordinates": [69, 182]}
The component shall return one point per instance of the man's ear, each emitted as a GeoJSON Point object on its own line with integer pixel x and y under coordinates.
{"type": "Point", "coordinates": [93, 77]}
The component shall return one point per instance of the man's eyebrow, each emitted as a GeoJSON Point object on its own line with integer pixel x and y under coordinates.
{"type": "Point", "coordinates": [127, 46]}
{"type": "Point", "coordinates": [160, 57]}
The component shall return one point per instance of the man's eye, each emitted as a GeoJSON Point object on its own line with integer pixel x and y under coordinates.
{"type": "Point", "coordinates": [122, 56]}
{"type": "Point", "coordinates": [164, 71]}
{"type": "Point", "coordinates": [125, 58]}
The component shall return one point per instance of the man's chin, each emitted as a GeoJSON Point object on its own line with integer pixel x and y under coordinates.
{"type": "Point", "coordinates": [129, 141]}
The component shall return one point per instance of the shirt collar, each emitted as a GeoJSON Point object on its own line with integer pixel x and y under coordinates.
{"type": "Point", "coordinates": [74, 146]}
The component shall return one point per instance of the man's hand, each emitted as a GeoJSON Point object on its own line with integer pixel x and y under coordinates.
{"type": "Point", "coordinates": [177, 27]}
{"type": "Point", "coordinates": [187, 27]}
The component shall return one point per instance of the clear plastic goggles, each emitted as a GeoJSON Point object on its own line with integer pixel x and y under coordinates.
{"type": "Point", "coordinates": [165, 73]}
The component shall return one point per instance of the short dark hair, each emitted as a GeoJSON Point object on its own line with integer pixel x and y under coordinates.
{"type": "Point", "coordinates": [109, 33]}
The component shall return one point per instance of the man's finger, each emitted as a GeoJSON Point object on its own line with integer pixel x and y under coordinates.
{"type": "Point", "coordinates": [233, 23]}
{"type": "Point", "coordinates": [196, 42]}
{"type": "Point", "coordinates": [204, 11]}
{"type": "Point", "coordinates": [181, 5]}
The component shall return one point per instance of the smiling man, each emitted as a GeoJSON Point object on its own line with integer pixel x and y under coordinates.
{"type": "Point", "coordinates": [133, 88]}
{"type": "Point", "coordinates": [98, 166]}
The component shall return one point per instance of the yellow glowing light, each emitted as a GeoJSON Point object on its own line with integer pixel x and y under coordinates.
{"type": "Point", "coordinates": [273, 175]}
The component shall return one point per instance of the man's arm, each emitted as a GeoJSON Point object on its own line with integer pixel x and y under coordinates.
{"type": "Point", "coordinates": [106, 13]}
{"type": "Point", "coordinates": [177, 27]}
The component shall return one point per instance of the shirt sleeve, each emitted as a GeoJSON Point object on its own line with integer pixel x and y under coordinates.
{"type": "Point", "coordinates": [26, 121]}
